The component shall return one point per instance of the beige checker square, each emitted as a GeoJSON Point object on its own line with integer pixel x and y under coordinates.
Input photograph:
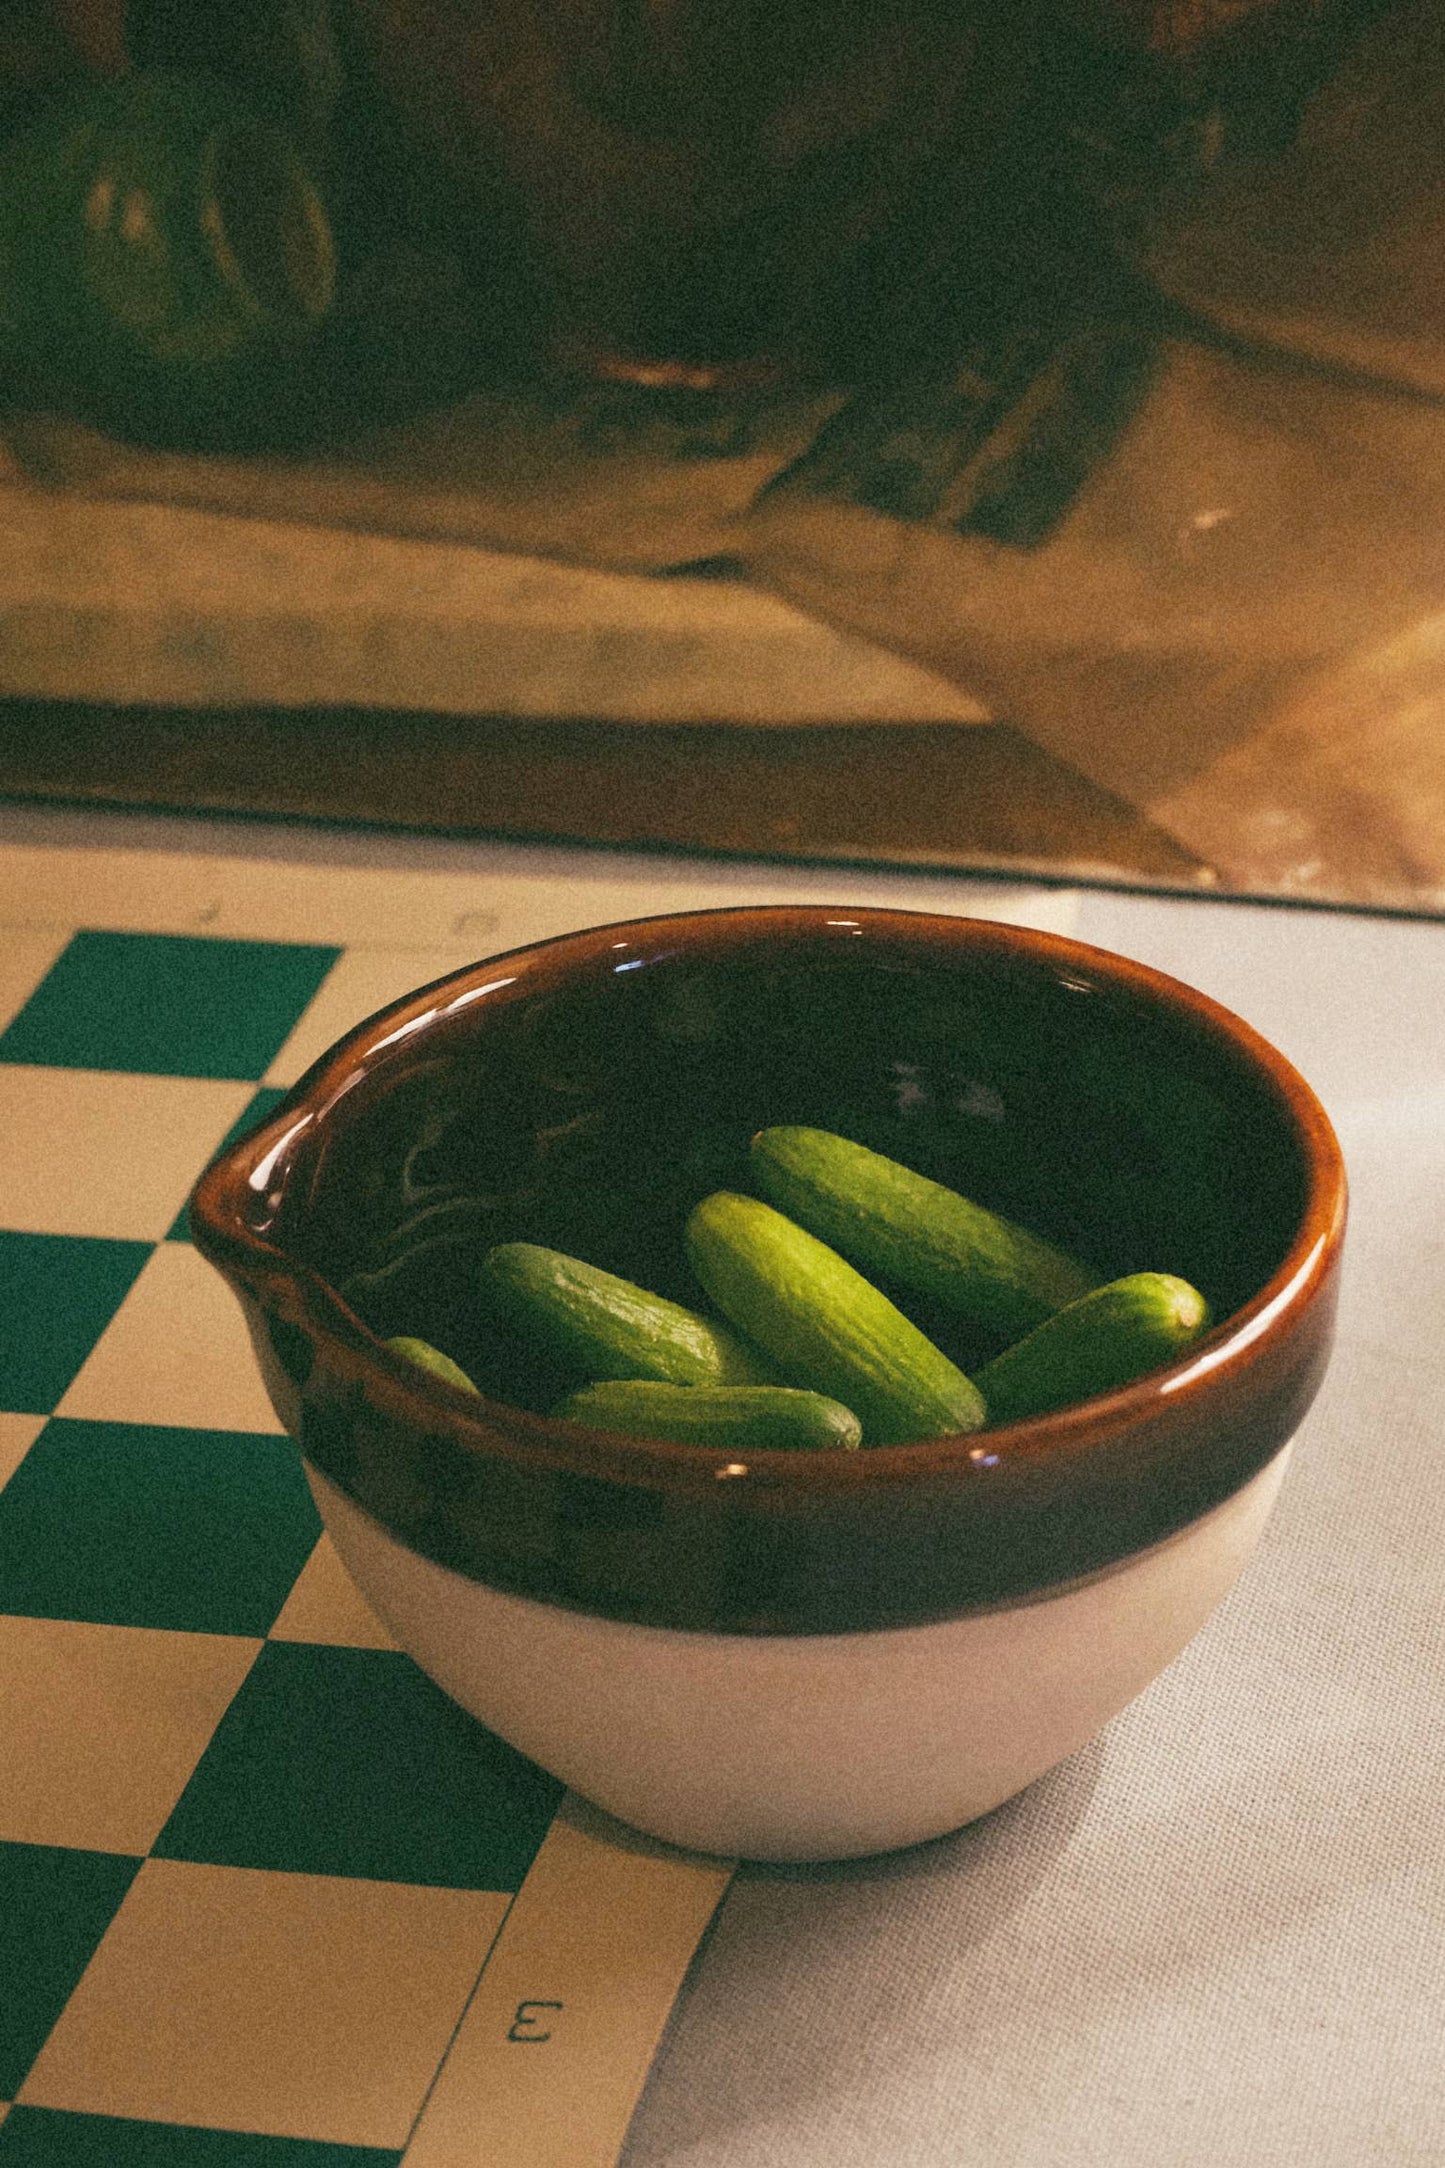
{"type": "Point", "coordinates": [358, 984]}
{"type": "Point", "coordinates": [17, 1434]}
{"type": "Point", "coordinates": [129, 891]}
{"type": "Point", "coordinates": [102, 1726]}
{"type": "Point", "coordinates": [303, 2006]}
{"type": "Point", "coordinates": [132, 1147]}
{"type": "Point", "coordinates": [26, 954]}
{"type": "Point", "coordinates": [176, 1351]}
{"type": "Point", "coordinates": [241, 897]}
{"type": "Point", "coordinates": [326, 1605]}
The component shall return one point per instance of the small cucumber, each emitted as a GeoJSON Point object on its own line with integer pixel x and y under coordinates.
{"type": "Point", "coordinates": [427, 1357]}
{"type": "Point", "coordinates": [824, 1325]}
{"type": "Point", "coordinates": [604, 1327]}
{"type": "Point", "coordinates": [1112, 1335]}
{"type": "Point", "coordinates": [886, 1219]}
{"type": "Point", "coordinates": [751, 1418]}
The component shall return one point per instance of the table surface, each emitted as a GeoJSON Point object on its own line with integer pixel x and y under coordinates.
{"type": "Point", "coordinates": [1213, 1937]}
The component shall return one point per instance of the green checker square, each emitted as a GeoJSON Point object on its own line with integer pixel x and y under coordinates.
{"type": "Point", "coordinates": [167, 1004]}
{"type": "Point", "coordinates": [55, 1904]}
{"type": "Point", "coordinates": [57, 1295]}
{"type": "Point", "coordinates": [349, 1761]}
{"type": "Point", "coordinates": [251, 1117]}
{"type": "Point", "coordinates": [56, 2138]}
{"type": "Point", "coordinates": [132, 1524]}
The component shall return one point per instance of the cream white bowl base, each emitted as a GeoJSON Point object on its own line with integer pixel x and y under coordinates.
{"type": "Point", "coordinates": [809, 1746]}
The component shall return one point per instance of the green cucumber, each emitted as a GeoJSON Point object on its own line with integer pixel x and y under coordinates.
{"type": "Point", "coordinates": [824, 1325]}
{"type": "Point", "coordinates": [888, 1220]}
{"type": "Point", "coordinates": [427, 1357]}
{"type": "Point", "coordinates": [603, 1327]}
{"type": "Point", "coordinates": [1108, 1338]}
{"type": "Point", "coordinates": [741, 1418]}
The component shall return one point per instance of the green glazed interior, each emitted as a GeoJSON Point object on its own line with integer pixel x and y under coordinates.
{"type": "Point", "coordinates": [592, 1119]}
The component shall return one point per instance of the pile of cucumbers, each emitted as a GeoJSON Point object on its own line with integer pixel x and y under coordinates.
{"type": "Point", "coordinates": [807, 1352]}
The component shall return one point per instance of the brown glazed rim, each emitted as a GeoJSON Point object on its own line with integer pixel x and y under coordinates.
{"type": "Point", "coordinates": [1051, 1451]}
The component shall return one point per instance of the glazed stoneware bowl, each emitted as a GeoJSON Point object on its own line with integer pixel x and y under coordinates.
{"type": "Point", "coordinates": [786, 1655]}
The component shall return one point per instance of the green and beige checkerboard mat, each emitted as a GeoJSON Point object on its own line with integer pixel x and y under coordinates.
{"type": "Point", "coordinates": [252, 1863]}
{"type": "Point", "coordinates": [267, 1898]}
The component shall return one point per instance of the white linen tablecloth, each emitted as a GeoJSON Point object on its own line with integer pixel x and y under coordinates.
{"type": "Point", "coordinates": [1216, 1937]}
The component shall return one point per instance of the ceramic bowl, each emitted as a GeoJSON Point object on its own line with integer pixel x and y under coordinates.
{"type": "Point", "coordinates": [790, 1655]}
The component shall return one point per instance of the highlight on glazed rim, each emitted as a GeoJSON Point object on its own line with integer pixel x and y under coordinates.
{"type": "Point", "coordinates": [805, 1351]}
